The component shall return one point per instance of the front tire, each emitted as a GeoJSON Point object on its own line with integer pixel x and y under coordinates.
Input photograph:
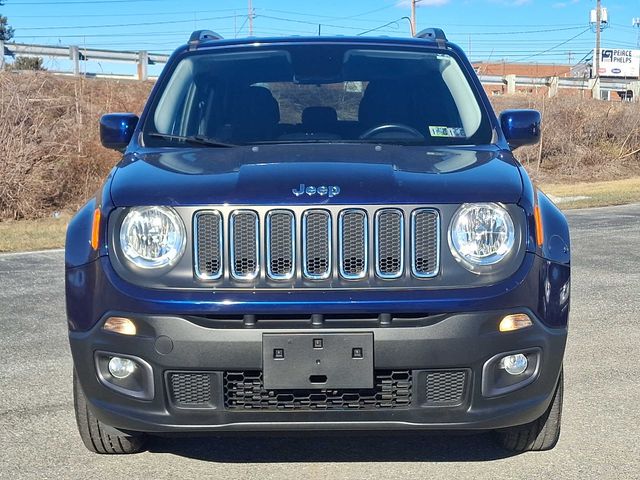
{"type": "Point", "coordinates": [539, 435]}
{"type": "Point", "coordinates": [97, 436]}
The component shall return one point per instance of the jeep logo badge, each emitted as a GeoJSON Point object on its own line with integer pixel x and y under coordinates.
{"type": "Point", "coordinates": [322, 190]}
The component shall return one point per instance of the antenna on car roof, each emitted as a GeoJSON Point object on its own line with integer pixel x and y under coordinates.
{"type": "Point", "coordinates": [200, 36]}
{"type": "Point", "coordinates": [436, 34]}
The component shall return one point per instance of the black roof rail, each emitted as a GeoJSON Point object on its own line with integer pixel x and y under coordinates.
{"type": "Point", "coordinates": [436, 34]}
{"type": "Point", "coordinates": [201, 35]}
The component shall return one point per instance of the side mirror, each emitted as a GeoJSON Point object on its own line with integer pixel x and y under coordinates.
{"type": "Point", "coordinates": [116, 130]}
{"type": "Point", "coordinates": [521, 127]}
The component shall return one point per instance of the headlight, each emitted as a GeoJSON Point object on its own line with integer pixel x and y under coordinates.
{"type": "Point", "coordinates": [481, 234]}
{"type": "Point", "coordinates": [152, 237]}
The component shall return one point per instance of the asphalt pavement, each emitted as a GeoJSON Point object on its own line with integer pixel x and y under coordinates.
{"type": "Point", "coordinates": [601, 423]}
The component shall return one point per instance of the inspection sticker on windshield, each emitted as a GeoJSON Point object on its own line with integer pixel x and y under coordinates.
{"type": "Point", "coordinates": [448, 132]}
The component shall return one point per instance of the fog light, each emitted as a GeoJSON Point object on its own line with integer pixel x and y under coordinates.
{"type": "Point", "coordinates": [123, 326]}
{"type": "Point", "coordinates": [515, 322]}
{"type": "Point", "coordinates": [514, 364]}
{"type": "Point", "coordinates": [121, 367]}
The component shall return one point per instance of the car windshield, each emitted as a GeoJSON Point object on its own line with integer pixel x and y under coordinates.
{"type": "Point", "coordinates": [317, 93]}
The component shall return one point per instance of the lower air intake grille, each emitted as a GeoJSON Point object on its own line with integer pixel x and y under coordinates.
{"type": "Point", "coordinates": [190, 389]}
{"type": "Point", "coordinates": [245, 391]}
{"type": "Point", "coordinates": [446, 387]}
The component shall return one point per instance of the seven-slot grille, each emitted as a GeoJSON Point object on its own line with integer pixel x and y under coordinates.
{"type": "Point", "coordinates": [298, 245]}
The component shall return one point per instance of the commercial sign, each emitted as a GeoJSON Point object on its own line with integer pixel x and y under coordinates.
{"type": "Point", "coordinates": [619, 63]}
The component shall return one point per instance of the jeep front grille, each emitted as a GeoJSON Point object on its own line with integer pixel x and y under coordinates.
{"type": "Point", "coordinates": [316, 247]}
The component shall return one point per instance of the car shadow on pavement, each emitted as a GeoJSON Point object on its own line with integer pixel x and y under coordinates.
{"type": "Point", "coordinates": [333, 447]}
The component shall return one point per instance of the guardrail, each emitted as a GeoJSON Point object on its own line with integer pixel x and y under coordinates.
{"type": "Point", "coordinates": [143, 59]}
{"type": "Point", "coordinates": [629, 88]}
{"type": "Point", "coordinates": [77, 54]}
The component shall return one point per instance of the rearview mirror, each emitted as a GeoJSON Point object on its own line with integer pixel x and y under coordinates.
{"type": "Point", "coordinates": [521, 127]}
{"type": "Point", "coordinates": [116, 130]}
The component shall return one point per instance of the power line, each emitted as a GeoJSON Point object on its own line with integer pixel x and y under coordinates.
{"type": "Point", "coordinates": [82, 2]}
{"type": "Point", "coordinates": [131, 14]}
{"type": "Point", "coordinates": [556, 46]}
{"type": "Point", "coordinates": [382, 26]}
{"type": "Point", "coordinates": [71, 27]}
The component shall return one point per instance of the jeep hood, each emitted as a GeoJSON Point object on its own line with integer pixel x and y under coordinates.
{"type": "Point", "coordinates": [268, 174]}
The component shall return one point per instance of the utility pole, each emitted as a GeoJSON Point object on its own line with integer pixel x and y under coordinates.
{"type": "Point", "coordinates": [636, 23]}
{"type": "Point", "coordinates": [413, 17]}
{"type": "Point", "coordinates": [251, 18]}
{"type": "Point", "coordinates": [598, 27]}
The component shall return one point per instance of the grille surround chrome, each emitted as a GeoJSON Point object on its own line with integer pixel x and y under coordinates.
{"type": "Point", "coordinates": [378, 248]}
{"type": "Point", "coordinates": [436, 270]}
{"type": "Point", "coordinates": [305, 245]}
{"type": "Point", "coordinates": [196, 244]}
{"type": "Point", "coordinates": [232, 252]}
{"type": "Point", "coordinates": [268, 244]}
{"type": "Point", "coordinates": [341, 244]}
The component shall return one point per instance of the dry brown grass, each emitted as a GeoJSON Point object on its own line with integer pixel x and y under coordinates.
{"type": "Point", "coordinates": [51, 158]}
{"type": "Point", "coordinates": [598, 194]}
{"type": "Point", "coordinates": [29, 235]}
{"type": "Point", "coordinates": [50, 155]}
{"type": "Point", "coordinates": [582, 139]}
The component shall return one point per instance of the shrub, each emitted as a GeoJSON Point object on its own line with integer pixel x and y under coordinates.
{"type": "Point", "coordinates": [27, 63]}
{"type": "Point", "coordinates": [50, 153]}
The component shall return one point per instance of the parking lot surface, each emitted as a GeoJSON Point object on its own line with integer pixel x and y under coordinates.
{"type": "Point", "coordinates": [601, 424]}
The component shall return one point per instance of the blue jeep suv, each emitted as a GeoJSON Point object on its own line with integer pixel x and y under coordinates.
{"type": "Point", "coordinates": [318, 234]}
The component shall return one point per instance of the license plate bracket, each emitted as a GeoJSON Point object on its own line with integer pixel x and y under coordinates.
{"type": "Point", "coordinates": [317, 360]}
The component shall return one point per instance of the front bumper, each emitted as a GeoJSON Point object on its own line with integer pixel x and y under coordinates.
{"type": "Point", "coordinates": [455, 341]}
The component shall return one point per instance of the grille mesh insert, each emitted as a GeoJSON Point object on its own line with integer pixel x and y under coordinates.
{"type": "Point", "coordinates": [244, 251]}
{"type": "Point", "coordinates": [317, 244]}
{"type": "Point", "coordinates": [446, 386]}
{"type": "Point", "coordinates": [209, 238]}
{"type": "Point", "coordinates": [390, 243]}
{"type": "Point", "coordinates": [190, 389]}
{"type": "Point", "coordinates": [245, 391]}
{"type": "Point", "coordinates": [281, 244]}
{"type": "Point", "coordinates": [353, 243]}
{"type": "Point", "coordinates": [425, 243]}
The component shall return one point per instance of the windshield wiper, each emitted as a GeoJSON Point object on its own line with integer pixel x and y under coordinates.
{"type": "Point", "coordinates": [195, 139]}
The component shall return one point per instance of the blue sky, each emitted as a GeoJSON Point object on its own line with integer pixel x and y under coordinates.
{"type": "Point", "coordinates": [543, 31]}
